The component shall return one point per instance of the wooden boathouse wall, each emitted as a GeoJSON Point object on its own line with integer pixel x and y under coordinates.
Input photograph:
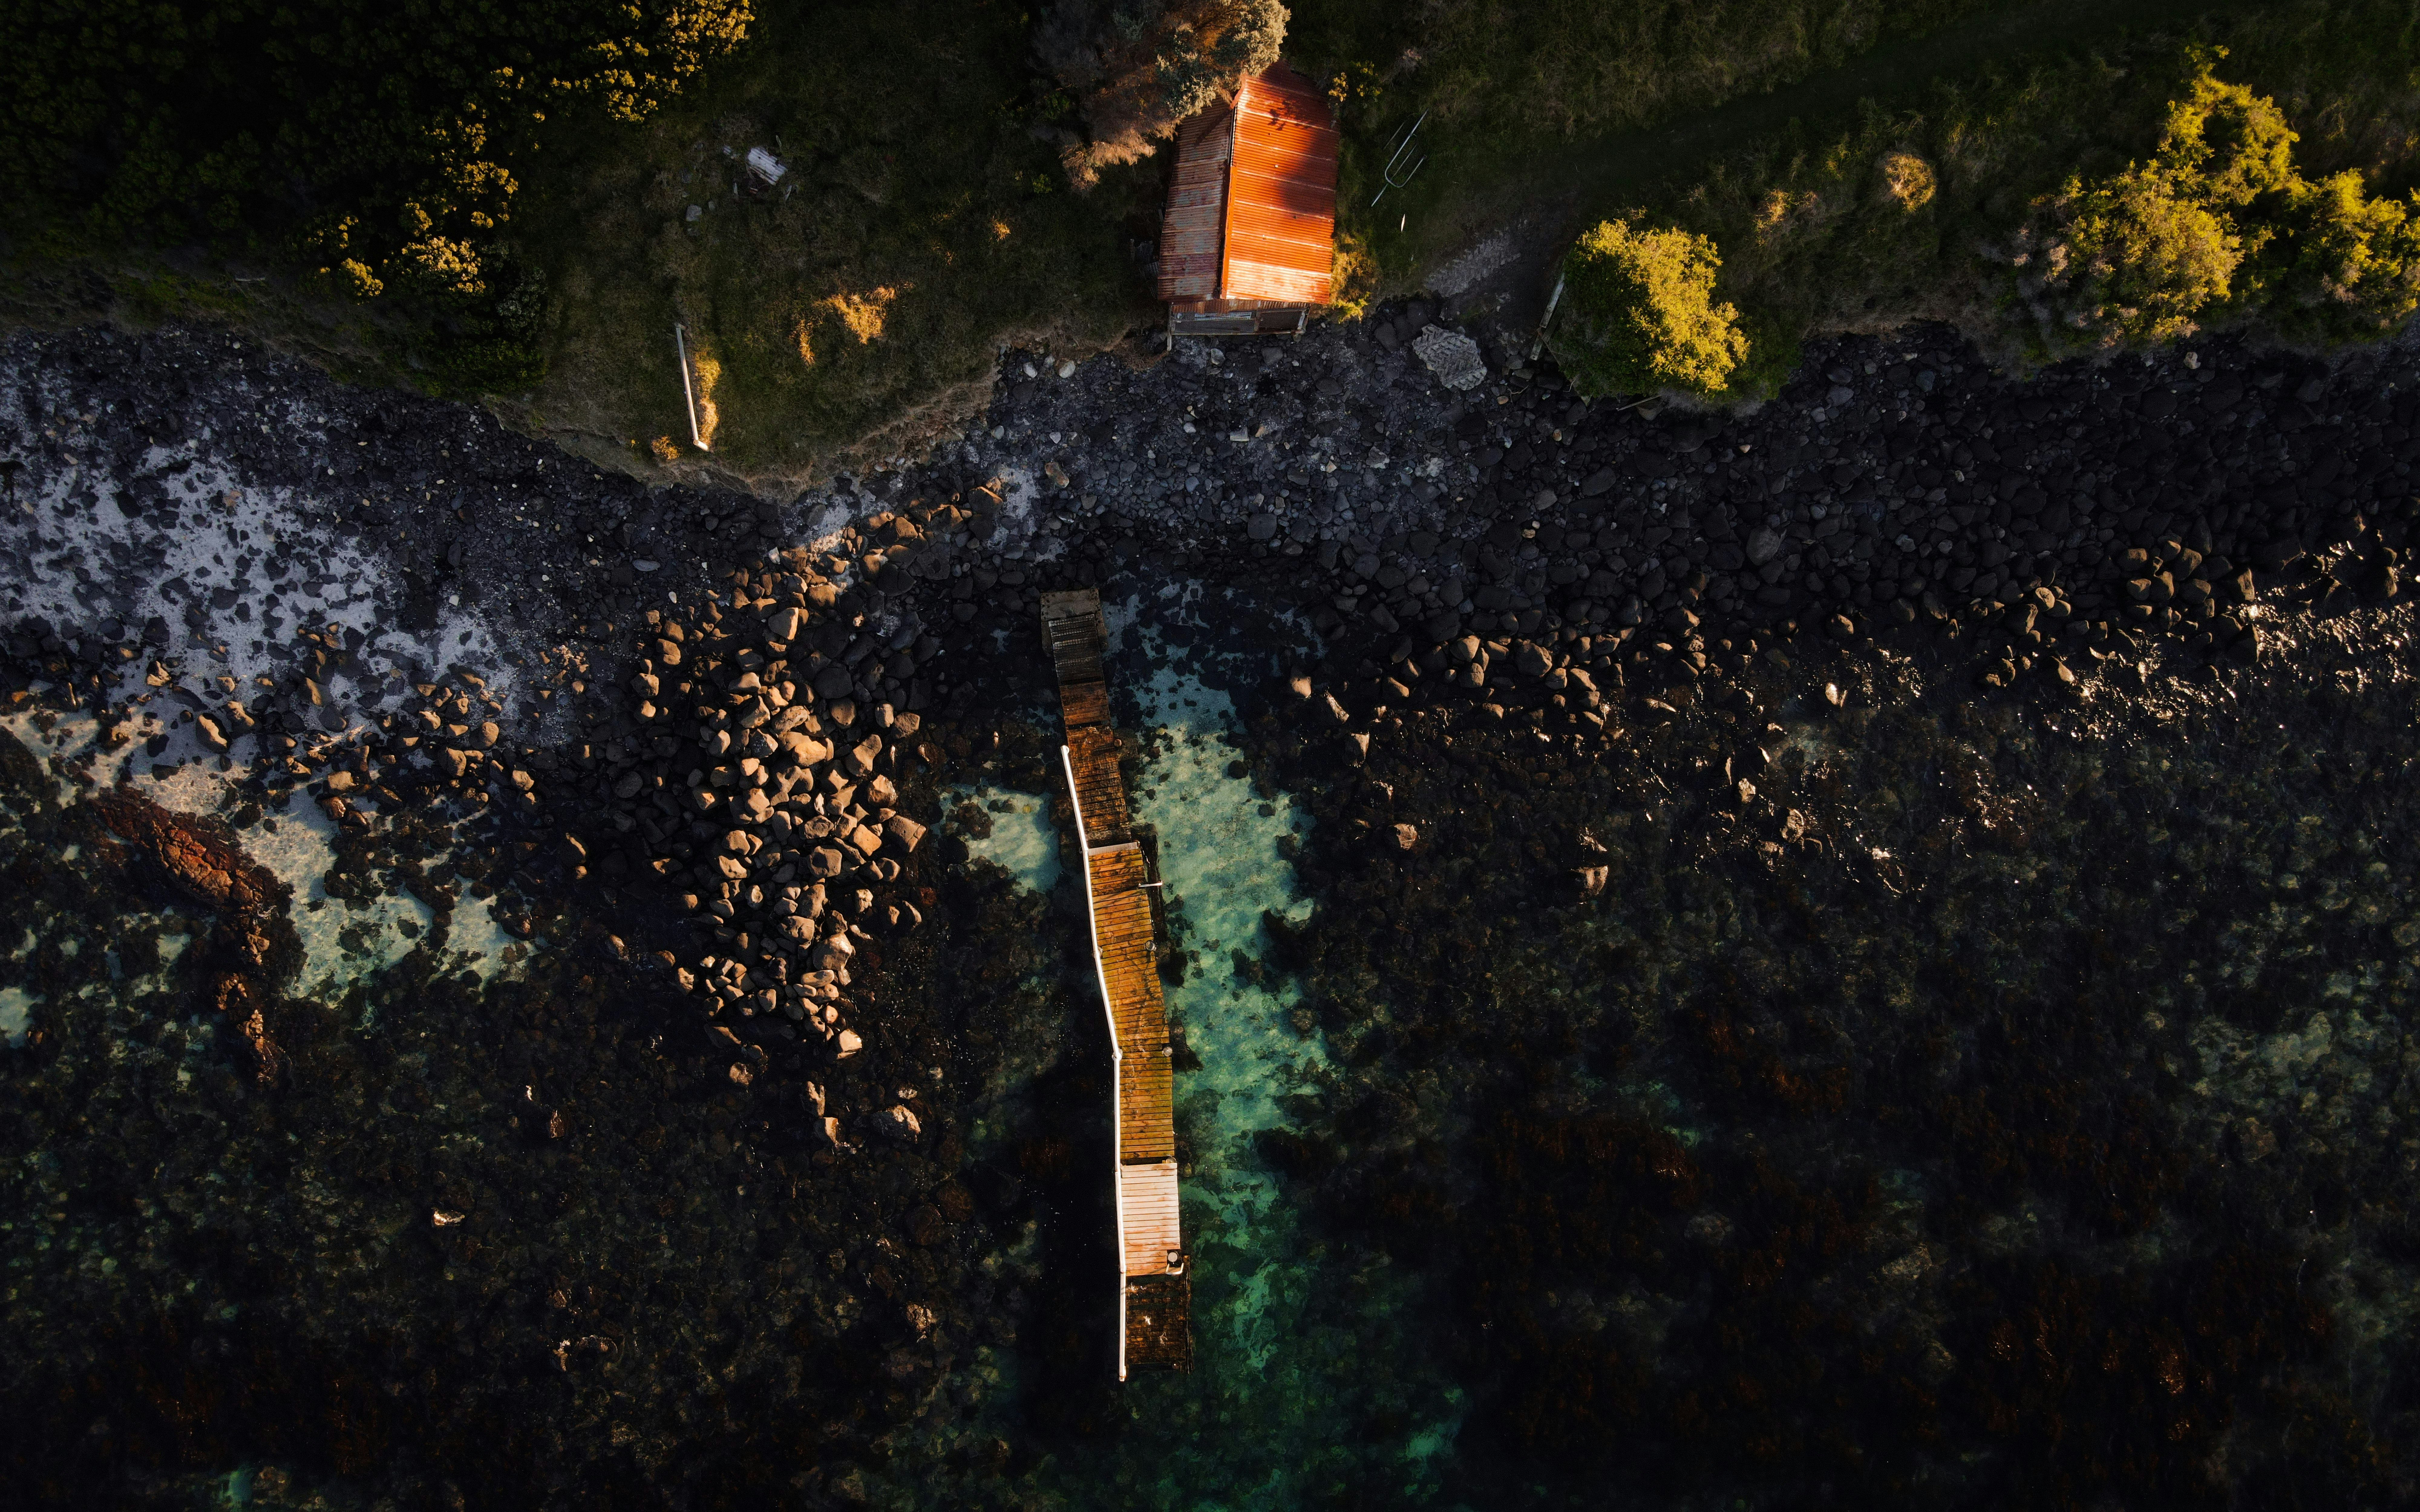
{"type": "Point", "coordinates": [1155, 1293]}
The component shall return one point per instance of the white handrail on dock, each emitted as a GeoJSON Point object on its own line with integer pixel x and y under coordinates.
{"type": "Point", "coordinates": [1117, 1056]}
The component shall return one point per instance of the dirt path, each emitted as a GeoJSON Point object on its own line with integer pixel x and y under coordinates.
{"type": "Point", "coordinates": [1501, 238]}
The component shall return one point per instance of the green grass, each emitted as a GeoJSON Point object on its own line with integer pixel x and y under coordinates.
{"type": "Point", "coordinates": [915, 133]}
{"type": "Point", "coordinates": [1812, 240]}
{"type": "Point", "coordinates": [926, 189]}
{"type": "Point", "coordinates": [1522, 97]}
{"type": "Point", "coordinates": [916, 190]}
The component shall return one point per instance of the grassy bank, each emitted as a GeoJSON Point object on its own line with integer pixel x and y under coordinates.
{"type": "Point", "coordinates": [1903, 205]}
{"type": "Point", "coordinates": [1520, 100]}
{"type": "Point", "coordinates": [1889, 214]}
{"type": "Point", "coordinates": [921, 221]}
{"type": "Point", "coordinates": [926, 219]}
{"type": "Point", "coordinates": [923, 218]}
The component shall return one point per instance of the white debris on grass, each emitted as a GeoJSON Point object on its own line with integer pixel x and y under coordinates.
{"type": "Point", "coordinates": [766, 166]}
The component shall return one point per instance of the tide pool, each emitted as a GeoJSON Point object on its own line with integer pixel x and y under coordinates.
{"type": "Point", "coordinates": [1019, 838]}
{"type": "Point", "coordinates": [345, 941]}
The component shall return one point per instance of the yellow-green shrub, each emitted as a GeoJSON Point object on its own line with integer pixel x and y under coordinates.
{"type": "Point", "coordinates": [1640, 314]}
{"type": "Point", "coordinates": [2350, 265]}
{"type": "Point", "coordinates": [2218, 220]}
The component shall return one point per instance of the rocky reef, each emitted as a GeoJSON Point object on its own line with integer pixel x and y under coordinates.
{"type": "Point", "coordinates": [1854, 951]}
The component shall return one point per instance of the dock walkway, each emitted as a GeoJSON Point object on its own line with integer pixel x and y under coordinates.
{"type": "Point", "coordinates": [1155, 1294]}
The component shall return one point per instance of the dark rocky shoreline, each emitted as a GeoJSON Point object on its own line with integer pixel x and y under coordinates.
{"type": "Point", "coordinates": [1721, 637]}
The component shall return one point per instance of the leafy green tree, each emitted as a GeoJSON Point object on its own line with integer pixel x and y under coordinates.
{"type": "Point", "coordinates": [2218, 220]}
{"type": "Point", "coordinates": [1639, 314]}
{"type": "Point", "coordinates": [2223, 146]}
{"type": "Point", "coordinates": [2348, 265]}
{"type": "Point", "coordinates": [2140, 256]}
{"type": "Point", "coordinates": [1140, 66]}
{"type": "Point", "coordinates": [2134, 259]}
{"type": "Point", "coordinates": [375, 138]}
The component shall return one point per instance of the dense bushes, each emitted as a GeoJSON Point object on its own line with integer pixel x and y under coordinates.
{"type": "Point", "coordinates": [379, 143]}
{"type": "Point", "coordinates": [1140, 66]}
{"type": "Point", "coordinates": [2218, 220]}
{"type": "Point", "coordinates": [2090, 202]}
{"type": "Point", "coordinates": [1643, 315]}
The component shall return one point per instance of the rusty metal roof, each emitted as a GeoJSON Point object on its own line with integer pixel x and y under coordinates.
{"type": "Point", "coordinates": [1252, 214]}
{"type": "Point", "coordinates": [1196, 208]}
{"type": "Point", "coordinates": [1280, 193]}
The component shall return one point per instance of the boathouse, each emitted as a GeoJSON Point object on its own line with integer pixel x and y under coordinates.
{"type": "Point", "coordinates": [1248, 245]}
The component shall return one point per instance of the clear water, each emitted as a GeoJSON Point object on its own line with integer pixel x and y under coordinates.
{"type": "Point", "coordinates": [16, 1007]}
{"type": "Point", "coordinates": [1303, 1386]}
{"type": "Point", "coordinates": [1023, 841]}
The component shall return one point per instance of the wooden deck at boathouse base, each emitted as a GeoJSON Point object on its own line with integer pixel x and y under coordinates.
{"type": "Point", "coordinates": [1155, 1292]}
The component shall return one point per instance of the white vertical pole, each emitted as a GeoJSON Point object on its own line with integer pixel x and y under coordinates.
{"type": "Point", "coordinates": [1117, 1056]}
{"type": "Point", "coordinates": [689, 394]}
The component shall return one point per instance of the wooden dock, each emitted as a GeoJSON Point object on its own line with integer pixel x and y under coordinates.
{"type": "Point", "coordinates": [1155, 1294]}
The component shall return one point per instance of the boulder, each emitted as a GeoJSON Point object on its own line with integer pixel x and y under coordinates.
{"type": "Point", "coordinates": [903, 832]}
{"type": "Point", "coordinates": [1451, 356]}
{"type": "Point", "coordinates": [1404, 836]}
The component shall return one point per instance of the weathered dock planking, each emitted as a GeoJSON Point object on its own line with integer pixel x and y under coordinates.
{"type": "Point", "coordinates": [1155, 1294]}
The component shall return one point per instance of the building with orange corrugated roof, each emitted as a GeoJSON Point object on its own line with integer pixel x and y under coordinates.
{"type": "Point", "coordinates": [1248, 245]}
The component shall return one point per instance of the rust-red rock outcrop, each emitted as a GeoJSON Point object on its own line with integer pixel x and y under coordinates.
{"type": "Point", "coordinates": [200, 858]}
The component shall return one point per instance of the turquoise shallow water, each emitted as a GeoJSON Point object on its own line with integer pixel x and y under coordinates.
{"type": "Point", "coordinates": [1022, 842]}
{"type": "Point", "coordinates": [1304, 1386]}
